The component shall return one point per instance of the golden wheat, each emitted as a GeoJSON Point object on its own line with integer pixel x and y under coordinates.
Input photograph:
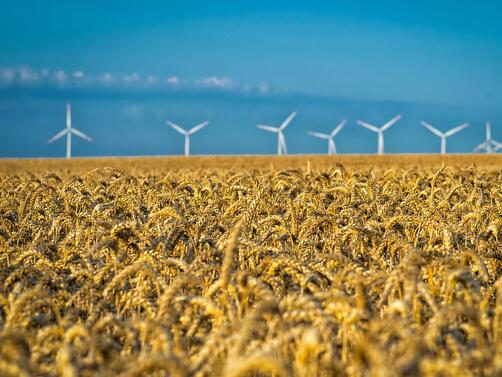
{"type": "Point", "coordinates": [316, 268]}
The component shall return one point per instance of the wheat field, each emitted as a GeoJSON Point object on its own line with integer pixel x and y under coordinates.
{"type": "Point", "coordinates": [300, 266]}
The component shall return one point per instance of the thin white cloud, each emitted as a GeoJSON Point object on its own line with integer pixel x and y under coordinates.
{"type": "Point", "coordinates": [131, 78]}
{"type": "Point", "coordinates": [173, 80]}
{"type": "Point", "coordinates": [105, 78]}
{"type": "Point", "coordinates": [7, 76]}
{"type": "Point", "coordinates": [46, 77]}
{"type": "Point", "coordinates": [216, 82]}
{"type": "Point", "coordinates": [60, 77]}
{"type": "Point", "coordinates": [263, 88]}
{"type": "Point", "coordinates": [28, 75]}
{"type": "Point", "coordinates": [79, 74]}
{"type": "Point", "coordinates": [152, 80]}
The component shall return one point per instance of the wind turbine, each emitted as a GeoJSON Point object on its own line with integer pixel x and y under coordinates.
{"type": "Point", "coordinates": [68, 131]}
{"type": "Point", "coordinates": [330, 137]}
{"type": "Point", "coordinates": [281, 140]}
{"type": "Point", "coordinates": [444, 135]}
{"type": "Point", "coordinates": [488, 145]}
{"type": "Point", "coordinates": [188, 133]}
{"type": "Point", "coordinates": [379, 130]}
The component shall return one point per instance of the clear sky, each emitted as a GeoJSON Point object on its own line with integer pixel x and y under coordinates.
{"type": "Point", "coordinates": [442, 53]}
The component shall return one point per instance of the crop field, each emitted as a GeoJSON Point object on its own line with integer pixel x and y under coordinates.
{"type": "Point", "coordinates": [294, 266]}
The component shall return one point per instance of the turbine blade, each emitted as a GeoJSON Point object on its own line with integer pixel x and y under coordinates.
{"type": "Point", "coordinates": [80, 134]}
{"type": "Point", "coordinates": [480, 147]}
{"type": "Point", "coordinates": [390, 123]}
{"type": "Point", "coordinates": [58, 135]}
{"type": "Point", "coordinates": [68, 115]}
{"type": "Point", "coordinates": [432, 129]}
{"type": "Point", "coordinates": [198, 127]}
{"type": "Point", "coordinates": [368, 126]}
{"type": "Point", "coordinates": [176, 127]}
{"type": "Point", "coordinates": [456, 129]}
{"type": "Point", "coordinates": [268, 128]}
{"type": "Point", "coordinates": [288, 120]}
{"type": "Point", "coordinates": [319, 135]}
{"type": "Point", "coordinates": [338, 128]}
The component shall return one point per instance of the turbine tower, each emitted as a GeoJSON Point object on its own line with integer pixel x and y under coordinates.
{"type": "Point", "coordinates": [379, 130]}
{"type": "Point", "coordinates": [444, 135]}
{"type": "Point", "coordinates": [330, 137]}
{"type": "Point", "coordinates": [68, 131]}
{"type": "Point", "coordinates": [489, 145]}
{"type": "Point", "coordinates": [281, 140]}
{"type": "Point", "coordinates": [188, 133]}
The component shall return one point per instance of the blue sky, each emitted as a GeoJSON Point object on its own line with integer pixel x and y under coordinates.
{"type": "Point", "coordinates": [136, 63]}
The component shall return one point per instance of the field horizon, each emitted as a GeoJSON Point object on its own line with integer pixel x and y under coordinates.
{"type": "Point", "coordinates": [251, 162]}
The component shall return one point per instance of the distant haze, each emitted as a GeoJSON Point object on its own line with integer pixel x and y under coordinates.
{"type": "Point", "coordinates": [134, 123]}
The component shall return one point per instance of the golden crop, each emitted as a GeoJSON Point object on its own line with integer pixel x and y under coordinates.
{"type": "Point", "coordinates": [363, 271]}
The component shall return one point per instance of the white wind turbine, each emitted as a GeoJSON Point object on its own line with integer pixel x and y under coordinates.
{"type": "Point", "coordinates": [489, 145]}
{"type": "Point", "coordinates": [330, 137]}
{"type": "Point", "coordinates": [188, 133]}
{"type": "Point", "coordinates": [379, 130]}
{"type": "Point", "coordinates": [281, 140]}
{"type": "Point", "coordinates": [68, 131]}
{"type": "Point", "coordinates": [444, 135]}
